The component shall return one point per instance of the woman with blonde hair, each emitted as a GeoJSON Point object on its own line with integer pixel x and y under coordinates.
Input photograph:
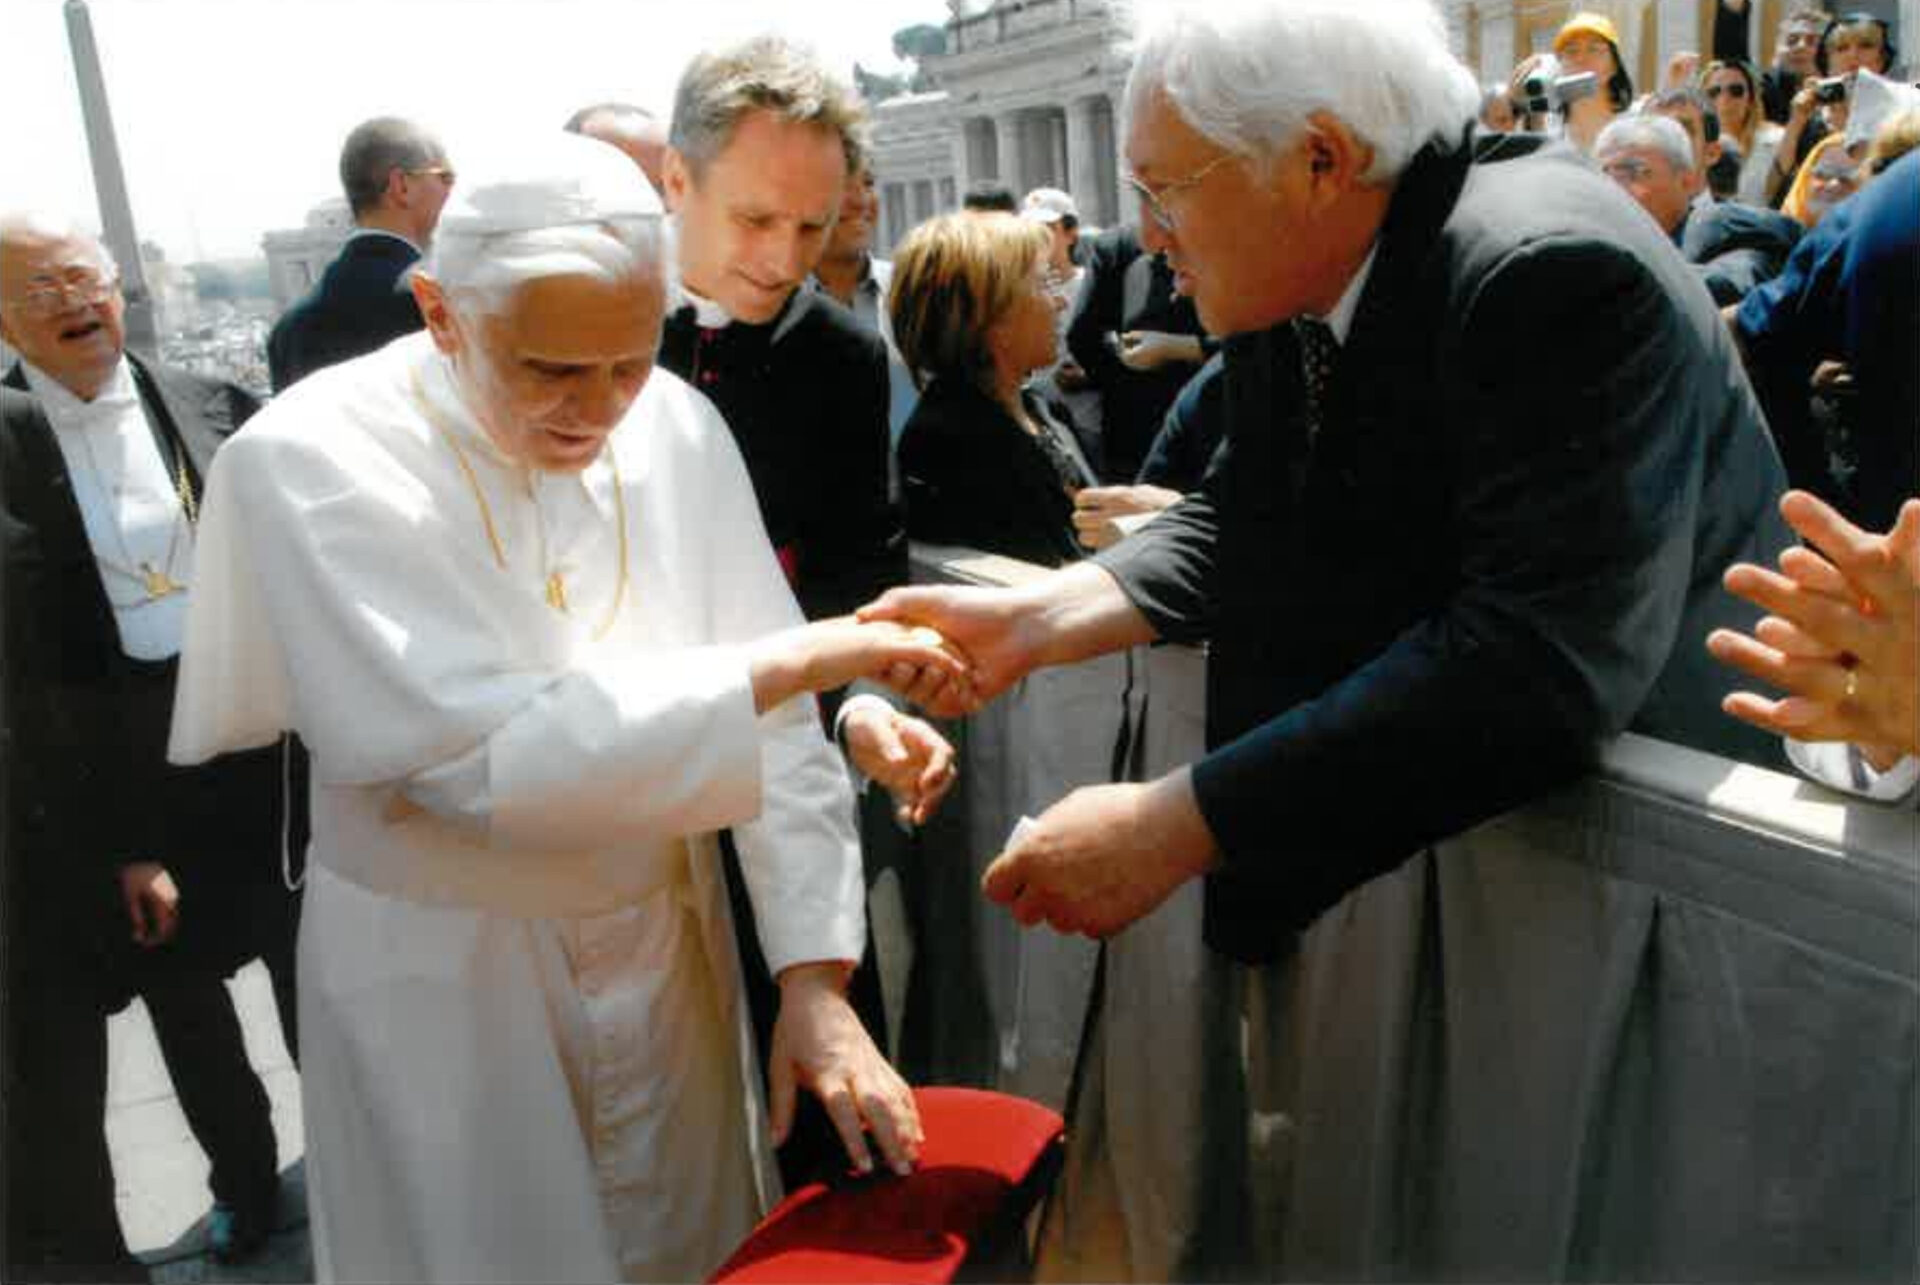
{"type": "Point", "coordinates": [1733, 87]}
{"type": "Point", "coordinates": [984, 460]}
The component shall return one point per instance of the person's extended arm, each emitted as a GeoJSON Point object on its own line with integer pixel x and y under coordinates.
{"type": "Point", "coordinates": [1072, 614]}
{"type": "Point", "coordinates": [1550, 641]}
{"type": "Point", "coordinates": [393, 683]}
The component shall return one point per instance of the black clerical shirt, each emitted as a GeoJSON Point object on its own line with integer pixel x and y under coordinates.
{"type": "Point", "coordinates": [806, 398]}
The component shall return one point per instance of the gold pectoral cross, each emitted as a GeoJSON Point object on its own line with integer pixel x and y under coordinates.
{"type": "Point", "coordinates": [158, 583]}
{"type": "Point", "coordinates": [557, 592]}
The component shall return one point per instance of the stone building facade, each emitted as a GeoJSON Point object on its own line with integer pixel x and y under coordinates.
{"type": "Point", "coordinates": [297, 256]}
{"type": "Point", "coordinates": [1028, 91]}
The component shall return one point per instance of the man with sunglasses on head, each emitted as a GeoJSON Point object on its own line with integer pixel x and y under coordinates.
{"type": "Point", "coordinates": [396, 177]}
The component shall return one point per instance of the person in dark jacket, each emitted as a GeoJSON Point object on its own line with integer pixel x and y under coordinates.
{"type": "Point", "coordinates": [984, 462]}
{"type": "Point", "coordinates": [396, 177]}
{"type": "Point", "coordinates": [1733, 247]}
{"type": "Point", "coordinates": [122, 875]}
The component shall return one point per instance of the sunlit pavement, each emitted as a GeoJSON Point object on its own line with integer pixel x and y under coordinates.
{"type": "Point", "coordinates": [159, 1169]}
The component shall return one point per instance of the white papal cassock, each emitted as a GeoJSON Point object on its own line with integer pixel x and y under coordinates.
{"type": "Point", "coordinates": [523, 1055]}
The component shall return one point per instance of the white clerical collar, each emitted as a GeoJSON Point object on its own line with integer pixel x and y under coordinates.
{"type": "Point", "coordinates": [62, 407]}
{"type": "Point", "coordinates": [357, 233]}
{"type": "Point", "coordinates": [1340, 320]}
{"type": "Point", "coordinates": [707, 314]}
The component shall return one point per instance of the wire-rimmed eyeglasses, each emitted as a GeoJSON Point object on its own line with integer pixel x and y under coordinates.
{"type": "Point", "coordinates": [1154, 200]}
{"type": "Point", "coordinates": [49, 299]}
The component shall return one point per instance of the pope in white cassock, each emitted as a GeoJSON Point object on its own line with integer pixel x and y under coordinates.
{"type": "Point", "coordinates": [510, 586]}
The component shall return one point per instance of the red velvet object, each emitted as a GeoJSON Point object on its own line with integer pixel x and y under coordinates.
{"type": "Point", "coordinates": [987, 1159]}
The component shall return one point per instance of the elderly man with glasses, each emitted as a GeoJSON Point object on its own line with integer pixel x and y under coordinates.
{"type": "Point", "coordinates": [1487, 447]}
{"type": "Point", "coordinates": [102, 456]}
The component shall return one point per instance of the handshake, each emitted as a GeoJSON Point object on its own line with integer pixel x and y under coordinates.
{"type": "Point", "coordinates": [883, 643]}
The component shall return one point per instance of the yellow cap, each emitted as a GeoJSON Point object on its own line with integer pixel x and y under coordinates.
{"type": "Point", "coordinates": [1587, 24]}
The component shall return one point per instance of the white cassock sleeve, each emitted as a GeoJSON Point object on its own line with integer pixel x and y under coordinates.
{"type": "Point", "coordinates": [340, 595]}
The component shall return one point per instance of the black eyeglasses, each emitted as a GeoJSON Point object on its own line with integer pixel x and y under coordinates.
{"type": "Point", "coordinates": [1738, 89]}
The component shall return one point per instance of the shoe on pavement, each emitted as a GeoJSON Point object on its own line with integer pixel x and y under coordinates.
{"type": "Point", "coordinates": [234, 1237]}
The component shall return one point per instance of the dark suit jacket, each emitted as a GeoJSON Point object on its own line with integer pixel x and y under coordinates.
{"type": "Point", "coordinates": [363, 300]}
{"type": "Point", "coordinates": [87, 781]}
{"type": "Point", "coordinates": [1127, 289]}
{"type": "Point", "coordinates": [973, 477]}
{"type": "Point", "coordinates": [1539, 453]}
{"type": "Point", "coordinates": [1187, 440]}
{"type": "Point", "coordinates": [805, 396]}
{"type": "Point", "coordinates": [1736, 247]}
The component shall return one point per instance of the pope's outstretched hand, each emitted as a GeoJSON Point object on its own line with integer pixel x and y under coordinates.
{"type": "Point", "coordinates": [831, 653]}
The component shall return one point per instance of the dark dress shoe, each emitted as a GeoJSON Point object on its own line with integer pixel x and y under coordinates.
{"type": "Point", "coordinates": [234, 1235]}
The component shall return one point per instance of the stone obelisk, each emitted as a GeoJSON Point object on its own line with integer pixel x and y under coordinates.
{"type": "Point", "coordinates": [109, 183]}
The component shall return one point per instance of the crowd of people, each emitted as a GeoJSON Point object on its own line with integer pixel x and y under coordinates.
{"type": "Point", "coordinates": [524, 655]}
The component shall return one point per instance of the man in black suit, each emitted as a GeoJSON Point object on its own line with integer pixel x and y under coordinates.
{"type": "Point", "coordinates": [1487, 449]}
{"type": "Point", "coordinates": [396, 177]}
{"type": "Point", "coordinates": [762, 145]}
{"type": "Point", "coordinates": [1732, 247]}
{"type": "Point", "coordinates": [1128, 293]}
{"type": "Point", "coordinates": [101, 459]}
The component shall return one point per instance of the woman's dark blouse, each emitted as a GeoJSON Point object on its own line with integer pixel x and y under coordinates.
{"type": "Point", "coordinates": [972, 476]}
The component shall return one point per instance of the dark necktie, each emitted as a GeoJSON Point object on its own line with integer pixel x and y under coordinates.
{"type": "Point", "coordinates": [1318, 351]}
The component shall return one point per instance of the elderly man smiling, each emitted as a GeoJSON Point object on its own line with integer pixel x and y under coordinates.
{"type": "Point", "coordinates": [507, 581]}
{"type": "Point", "coordinates": [1487, 449]}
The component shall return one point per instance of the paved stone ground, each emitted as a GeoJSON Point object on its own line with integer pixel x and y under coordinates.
{"type": "Point", "coordinates": [160, 1170]}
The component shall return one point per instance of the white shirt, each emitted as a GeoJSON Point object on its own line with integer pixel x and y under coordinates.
{"type": "Point", "coordinates": [129, 504]}
{"type": "Point", "coordinates": [1340, 320]}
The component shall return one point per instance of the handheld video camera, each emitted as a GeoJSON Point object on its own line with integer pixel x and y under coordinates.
{"type": "Point", "coordinates": [1546, 90]}
{"type": "Point", "coordinates": [1831, 90]}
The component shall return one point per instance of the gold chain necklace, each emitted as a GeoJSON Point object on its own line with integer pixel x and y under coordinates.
{"type": "Point", "coordinates": [556, 583]}
{"type": "Point", "coordinates": [156, 582]}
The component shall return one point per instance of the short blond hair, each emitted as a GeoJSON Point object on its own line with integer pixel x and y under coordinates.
{"type": "Point", "coordinates": [954, 278]}
{"type": "Point", "coordinates": [766, 73]}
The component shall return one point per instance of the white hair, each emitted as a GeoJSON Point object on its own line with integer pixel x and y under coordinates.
{"type": "Point", "coordinates": [55, 225]}
{"type": "Point", "coordinates": [1248, 73]}
{"type": "Point", "coordinates": [484, 271]}
{"type": "Point", "coordinates": [1643, 129]}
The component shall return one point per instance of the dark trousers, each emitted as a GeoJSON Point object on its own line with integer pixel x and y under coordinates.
{"type": "Point", "coordinates": [61, 1223]}
{"type": "Point", "coordinates": [220, 1093]}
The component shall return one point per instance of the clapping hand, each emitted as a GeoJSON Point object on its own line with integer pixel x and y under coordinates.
{"type": "Point", "coordinates": [1843, 636]}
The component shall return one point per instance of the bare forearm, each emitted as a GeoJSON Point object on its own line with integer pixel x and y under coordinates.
{"type": "Point", "coordinates": [1076, 613]}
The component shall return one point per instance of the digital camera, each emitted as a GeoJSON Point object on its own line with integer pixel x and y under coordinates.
{"type": "Point", "coordinates": [1831, 90]}
{"type": "Point", "coordinates": [1546, 90]}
